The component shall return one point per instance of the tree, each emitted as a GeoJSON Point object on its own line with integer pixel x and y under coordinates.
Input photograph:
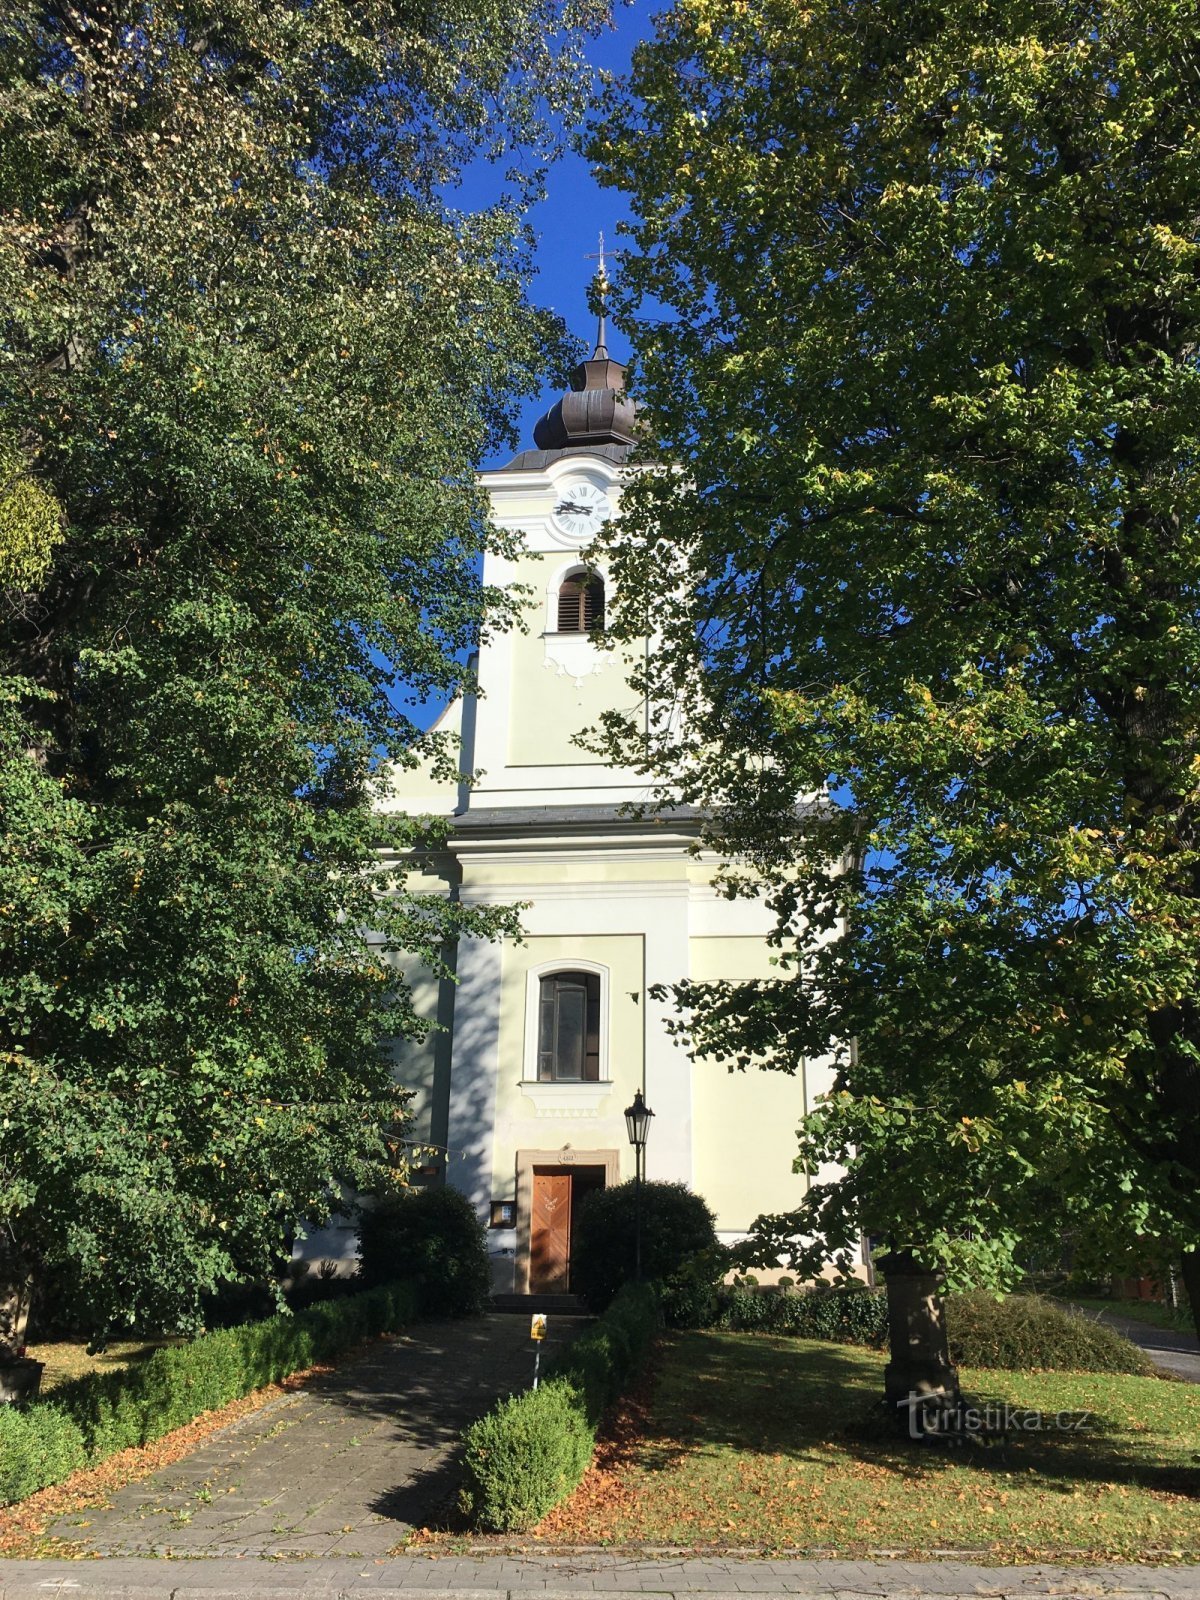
{"type": "Point", "coordinates": [252, 352]}
{"type": "Point", "coordinates": [924, 540]}
{"type": "Point", "coordinates": [30, 525]}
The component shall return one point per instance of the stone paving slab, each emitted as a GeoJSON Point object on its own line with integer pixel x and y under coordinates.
{"type": "Point", "coordinates": [347, 1466]}
{"type": "Point", "coordinates": [569, 1577]}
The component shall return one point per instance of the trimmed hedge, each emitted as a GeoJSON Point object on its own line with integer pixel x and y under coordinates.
{"type": "Point", "coordinates": [529, 1453]}
{"type": "Point", "coordinates": [1021, 1333]}
{"type": "Point", "coordinates": [94, 1417]}
{"type": "Point", "coordinates": [525, 1457]}
{"type": "Point", "coordinates": [849, 1316]}
{"type": "Point", "coordinates": [38, 1447]}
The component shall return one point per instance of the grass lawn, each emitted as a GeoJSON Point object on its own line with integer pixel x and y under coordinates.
{"type": "Point", "coordinates": [67, 1359]}
{"type": "Point", "coordinates": [752, 1440]}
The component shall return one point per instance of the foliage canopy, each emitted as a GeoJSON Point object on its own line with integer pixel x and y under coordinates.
{"type": "Point", "coordinates": [929, 499]}
{"type": "Point", "coordinates": [251, 352]}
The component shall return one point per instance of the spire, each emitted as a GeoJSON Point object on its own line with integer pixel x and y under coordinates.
{"type": "Point", "coordinates": [600, 353]}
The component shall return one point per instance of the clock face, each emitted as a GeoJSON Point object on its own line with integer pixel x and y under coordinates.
{"type": "Point", "coordinates": [580, 510]}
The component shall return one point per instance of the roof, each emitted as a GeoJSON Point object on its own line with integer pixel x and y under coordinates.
{"type": "Point", "coordinates": [594, 417]}
{"type": "Point", "coordinates": [537, 460]}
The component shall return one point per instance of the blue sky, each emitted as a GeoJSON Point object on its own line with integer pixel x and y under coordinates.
{"type": "Point", "coordinates": [567, 224]}
{"type": "Point", "coordinates": [569, 220]}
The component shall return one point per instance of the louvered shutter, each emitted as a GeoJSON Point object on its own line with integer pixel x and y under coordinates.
{"type": "Point", "coordinates": [570, 606]}
{"type": "Point", "coordinates": [593, 605]}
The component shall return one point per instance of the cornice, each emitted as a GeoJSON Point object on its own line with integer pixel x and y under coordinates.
{"type": "Point", "coordinates": [509, 482]}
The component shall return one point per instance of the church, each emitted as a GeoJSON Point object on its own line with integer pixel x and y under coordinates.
{"type": "Point", "coordinates": [543, 1043]}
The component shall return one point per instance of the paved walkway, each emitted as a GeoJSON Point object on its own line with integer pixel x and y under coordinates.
{"type": "Point", "coordinates": [306, 1497]}
{"type": "Point", "coordinates": [1175, 1351]}
{"type": "Point", "coordinates": [567, 1578]}
{"type": "Point", "coordinates": [344, 1467]}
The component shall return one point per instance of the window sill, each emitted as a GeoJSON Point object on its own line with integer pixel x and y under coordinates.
{"type": "Point", "coordinates": [566, 1099]}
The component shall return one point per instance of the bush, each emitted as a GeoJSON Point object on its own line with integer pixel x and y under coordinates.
{"type": "Point", "coordinates": [529, 1453]}
{"type": "Point", "coordinates": [525, 1457]}
{"type": "Point", "coordinates": [232, 1304]}
{"type": "Point", "coordinates": [690, 1296]}
{"type": "Point", "coordinates": [601, 1362]}
{"type": "Point", "coordinates": [310, 1284]}
{"type": "Point", "coordinates": [94, 1417]}
{"type": "Point", "coordinates": [38, 1446]}
{"type": "Point", "coordinates": [845, 1315]}
{"type": "Point", "coordinates": [1024, 1333]}
{"type": "Point", "coordinates": [1020, 1333]}
{"type": "Point", "coordinates": [677, 1227]}
{"type": "Point", "coordinates": [432, 1239]}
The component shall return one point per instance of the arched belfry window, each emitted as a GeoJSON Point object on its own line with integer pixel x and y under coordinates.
{"type": "Point", "coordinates": [569, 1028]}
{"type": "Point", "coordinates": [581, 603]}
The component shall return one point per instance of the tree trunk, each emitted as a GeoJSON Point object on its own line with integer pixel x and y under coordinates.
{"type": "Point", "coordinates": [1190, 1273]}
{"type": "Point", "coordinates": [919, 1380]}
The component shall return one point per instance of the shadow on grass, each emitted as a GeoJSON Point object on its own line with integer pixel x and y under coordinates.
{"type": "Point", "coordinates": [800, 1400]}
{"type": "Point", "coordinates": [68, 1359]}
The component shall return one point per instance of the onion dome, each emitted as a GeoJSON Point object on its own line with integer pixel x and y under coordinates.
{"type": "Point", "coordinates": [596, 410]}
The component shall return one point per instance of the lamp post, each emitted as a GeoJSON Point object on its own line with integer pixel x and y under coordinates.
{"type": "Point", "coordinates": [637, 1124]}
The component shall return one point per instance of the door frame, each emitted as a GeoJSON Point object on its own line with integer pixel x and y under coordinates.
{"type": "Point", "coordinates": [568, 1157]}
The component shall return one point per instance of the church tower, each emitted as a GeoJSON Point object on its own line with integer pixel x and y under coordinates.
{"type": "Point", "coordinates": [544, 687]}
{"type": "Point", "coordinates": [544, 1043]}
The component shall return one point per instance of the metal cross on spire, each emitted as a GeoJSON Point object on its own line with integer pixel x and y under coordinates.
{"type": "Point", "coordinates": [598, 255]}
{"type": "Point", "coordinates": [600, 353]}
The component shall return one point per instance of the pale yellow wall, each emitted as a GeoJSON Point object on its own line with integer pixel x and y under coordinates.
{"type": "Point", "coordinates": [548, 708]}
{"type": "Point", "coordinates": [522, 1123]}
{"type": "Point", "coordinates": [416, 788]}
{"type": "Point", "coordinates": [744, 1123]}
{"type": "Point", "coordinates": [589, 868]}
{"type": "Point", "coordinates": [416, 1062]}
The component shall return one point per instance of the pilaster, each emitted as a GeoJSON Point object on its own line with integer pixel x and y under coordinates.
{"type": "Point", "coordinates": [472, 1112]}
{"type": "Point", "coordinates": [668, 1069]}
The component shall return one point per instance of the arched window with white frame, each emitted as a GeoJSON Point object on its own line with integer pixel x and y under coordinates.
{"type": "Point", "coordinates": [568, 1046]}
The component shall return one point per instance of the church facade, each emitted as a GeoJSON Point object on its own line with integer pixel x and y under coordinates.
{"type": "Point", "coordinates": [543, 1043]}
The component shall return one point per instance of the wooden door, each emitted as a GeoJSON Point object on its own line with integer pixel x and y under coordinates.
{"type": "Point", "coordinates": [550, 1233]}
